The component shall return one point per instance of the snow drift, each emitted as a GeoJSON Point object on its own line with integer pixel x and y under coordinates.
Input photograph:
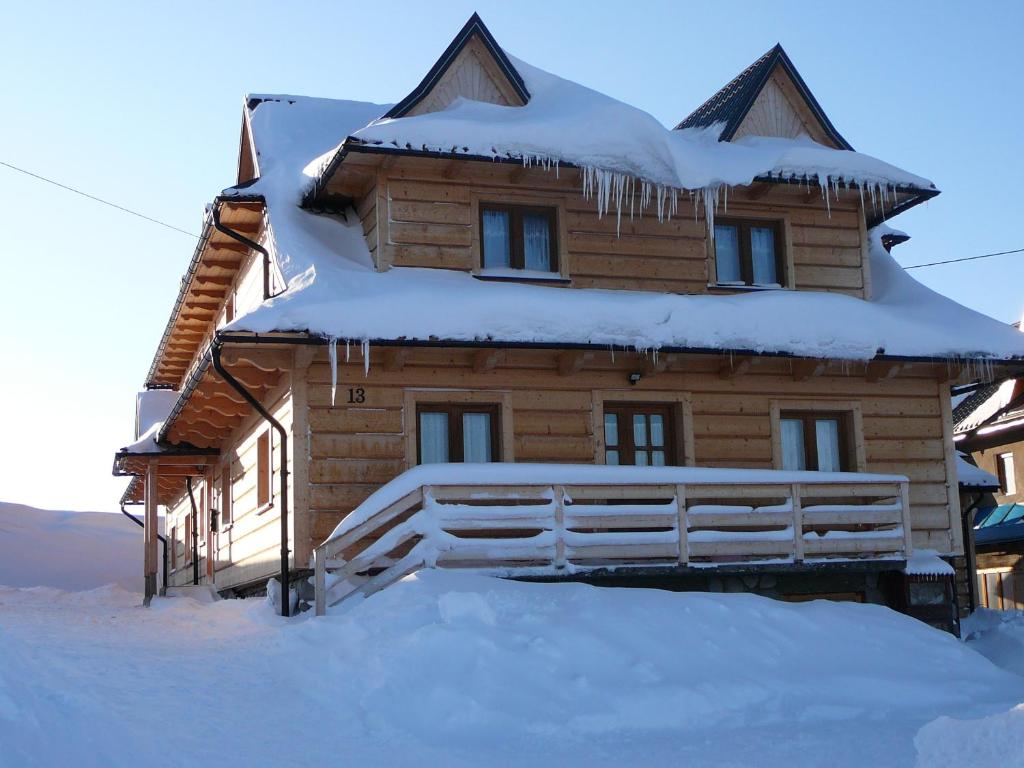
{"type": "Point", "coordinates": [68, 550]}
{"type": "Point", "coordinates": [461, 670]}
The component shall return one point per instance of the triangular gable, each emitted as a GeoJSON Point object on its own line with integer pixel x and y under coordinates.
{"type": "Point", "coordinates": [473, 67]}
{"type": "Point", "coordinates": [768, 98]}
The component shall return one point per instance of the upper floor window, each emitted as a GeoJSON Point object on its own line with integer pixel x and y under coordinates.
{"type": "Point", "coordinates": [518, 237]}
{"type": "Point", "coordinates": [749, 252]}
{"type": "Point", "coordinates": [815, 441]}
{"type": "Point", "coordinates": [1007, 475]}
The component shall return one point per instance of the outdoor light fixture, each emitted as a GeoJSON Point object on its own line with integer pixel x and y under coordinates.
{"type": "Point", "coordinates": [634, 377]}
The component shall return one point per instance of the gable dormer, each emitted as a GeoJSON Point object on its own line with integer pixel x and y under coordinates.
{"type": "Point", "coordinates": [473, 67]}
{"type": "Point", "coordinates": [768, 98]}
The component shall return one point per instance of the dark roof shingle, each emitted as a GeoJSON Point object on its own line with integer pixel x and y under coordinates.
{"type": "Point", "coordinates": [730, 105]}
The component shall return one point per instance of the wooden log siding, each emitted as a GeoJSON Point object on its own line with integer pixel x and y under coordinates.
{"type": "Point", "coordinates": [353, 448]}
{"type": "Point", "coordinates": [429, 221]}
{"type": "Point", "coordinates": [249, 549]}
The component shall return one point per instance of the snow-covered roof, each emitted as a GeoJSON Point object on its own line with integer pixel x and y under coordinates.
{"type": "Point", "coordinates": [970, 476]}
{"type": "Point", "coordinates": [152, 406]}
{"type": "Point", "coordinates": [334, 291]}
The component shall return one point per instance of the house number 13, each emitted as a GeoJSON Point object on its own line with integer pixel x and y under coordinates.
{"type": "Point", "coordinates": [357, 395]}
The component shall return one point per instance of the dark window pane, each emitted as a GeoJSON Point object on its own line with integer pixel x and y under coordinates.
{"type": "Point", "coordinates": [639, 429]}
{"type": "Point", "coordinates": [611, 429]}
{"type": "Point", "coordinates": [476, 437]}
{"type": "Point", "coordinates": [762, 255]}
{"type": "Point", "coordinates": [433, 438]}
{"type": "Point", "coordinates": [537, 242]}
{"type": "Point", "coordinates": [727, 254]}
{"type": "Point", "coordinates": [826, 434]}
{"type": "Point", "coordinates": [793, 444]}
{"type": "Point", "coordinates": [496, 238]}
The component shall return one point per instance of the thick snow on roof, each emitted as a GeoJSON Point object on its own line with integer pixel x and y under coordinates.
{"type": "Point", "coordinates": [334, 291]}
{"type": "Point", "coordinates": [567, 122]}
{"type": "Point", "coordinates": [970, 476]}
{"type": "Point", "coordinates": [152, 406]}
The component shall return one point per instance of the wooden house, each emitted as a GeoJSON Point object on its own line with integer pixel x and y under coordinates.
{"type": "Point", "coordinates": [512, 324]}
{"type": "Point", "coordinates": [989, 426]}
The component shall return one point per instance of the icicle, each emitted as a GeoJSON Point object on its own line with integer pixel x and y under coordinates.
{"type": "Point", "coordinates": [332, 355]}
{"type": "Point", "coordinates": [347, 351]}
{"type": "Point", "coordinates": [366, 357]}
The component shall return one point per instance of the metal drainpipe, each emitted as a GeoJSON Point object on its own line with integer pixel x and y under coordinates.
{"type": "Point", "coordinates": [966, 524]}
{"type": "Point", "coordinates": [195, 533]}
{"type": "Point", "coordinates": [163, 540]}
{"type": "Point", "coordinates": [239, 237]}
{"type": "Point", "coordinates": [283, 436]}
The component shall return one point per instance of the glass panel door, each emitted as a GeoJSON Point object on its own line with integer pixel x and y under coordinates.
{"type": "Point", "coordinates": [793, 454]}
{"type": "Point", "coordinates": [476, 437]}
{"type": "Point", "coordinates": [639, 435]}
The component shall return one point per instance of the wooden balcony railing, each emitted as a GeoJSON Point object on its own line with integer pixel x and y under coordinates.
{"type": "Point", "coordinates": [535, 519]}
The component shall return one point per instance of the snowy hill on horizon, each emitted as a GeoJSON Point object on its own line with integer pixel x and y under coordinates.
{"type": "Point", "coordinates": [68, 550]}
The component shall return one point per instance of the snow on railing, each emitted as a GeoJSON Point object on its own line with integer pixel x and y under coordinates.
{"type": "Point", "coordinates": [460, 516]}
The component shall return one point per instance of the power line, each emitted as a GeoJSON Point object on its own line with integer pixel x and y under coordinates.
{"type": "Point", "coordinates": [966, 258]}
{"type": "Point", "coordinates": [98, 199]}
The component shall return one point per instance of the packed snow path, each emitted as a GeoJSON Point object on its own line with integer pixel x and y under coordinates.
{"type": "Point", "coordinates": [455, 669]}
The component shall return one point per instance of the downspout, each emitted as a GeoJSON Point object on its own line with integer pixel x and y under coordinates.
{"type": "Point", "coordinates": [283, 437]}
{"type": "Point", "coordinates": [163, 540]}
{"type": "Point", "coordinates": [195, 533]}
{"type": "Point", "coordinates": [239, 237]}
{"type": "Point", "coordinates": [967, 526]}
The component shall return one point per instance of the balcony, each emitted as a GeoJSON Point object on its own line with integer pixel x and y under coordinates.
{"type": "Point", "coordinates": [561, 519]}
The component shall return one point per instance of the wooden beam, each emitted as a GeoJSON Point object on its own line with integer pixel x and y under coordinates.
{"type": "Point", "coordinates": [212, 293]}
{"type": "Point", "coordinates": [395, 358]}
{"type": "Point", "coordinates": [573, 361]}
{"type": "Point", "coordinates": [263, 359]}
{"type": "Point", "coordinates": [807, 369]}
{"type": "Point", "coordinates": [451, 169]}
{"type": "Point", "coordinates": [223, 263]}
{"type": "Point", "coordinates": [883, 370]}
{"type": "Point", "coordinates": [735, 366]}
{"type": "Point", "coordinates": [655, 364]}
{"type": "Point", "coordinates": [757, 191]}
{"type": "Point", "coordinates": [228, 246]}
{"type": "Point", "coordinates": [486, 360]}
{"type": "Point", "coordinates": [224, 280]}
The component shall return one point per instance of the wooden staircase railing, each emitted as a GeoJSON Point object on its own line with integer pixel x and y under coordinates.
{"type": "Point", "coordinates": [706, 520]}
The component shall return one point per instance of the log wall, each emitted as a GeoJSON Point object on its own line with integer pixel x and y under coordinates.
{"type": "Point", "coordinates": [417, 215]}
{"type": "Point", "coordinates": [354, 447]}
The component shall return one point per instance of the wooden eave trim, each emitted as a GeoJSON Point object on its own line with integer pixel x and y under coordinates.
{"type": "Point", "coordinates": [181, 313]}
{"type": "Point", "coordinates": [354, 145]}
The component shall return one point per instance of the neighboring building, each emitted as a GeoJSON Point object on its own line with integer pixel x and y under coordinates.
{"type": "Point", "coordinates": [989, 425]}
{"type": "Point", "coordinates": [509, 267]}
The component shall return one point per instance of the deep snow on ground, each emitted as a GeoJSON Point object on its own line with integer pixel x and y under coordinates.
{"type": "Point", "coordinates": [464, 670]}
{"type": "Point", "coordinates": [68, 550]}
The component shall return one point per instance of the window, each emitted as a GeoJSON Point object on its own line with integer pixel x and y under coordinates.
{"type": "Point", "coordinates": [456, 433]}
{"type": "Point", "coordinates": [225, 496]}
{"type": "Point", "coordinates": [264, 476]}
{"type": "Point", "coordinates": [1007, 476]}
{"type": "Point", "coordinates": [749, 252]}
{"type": "Point", "coordinates": [815, 441]}
{"type": "Point", "coordinates": [174, 547]}
{"type": "Point", "coordinates": [639, 434]}
{"type": "Point", "coordinates": [188, 539]}
{"type": "Point", "coordinates": [518, 237]}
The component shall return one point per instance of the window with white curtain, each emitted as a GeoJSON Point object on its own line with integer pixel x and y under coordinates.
{"type": "Point", "coordinates": [450, 432]}
{"type": "Point", "coordinates": [521, 237]}
{"type": "Point", "coordinates": [815, 441]}
{"type": "Point", "coordinates": [1007, 474]}
{"type": "Point", "coordinates": [748, 252]}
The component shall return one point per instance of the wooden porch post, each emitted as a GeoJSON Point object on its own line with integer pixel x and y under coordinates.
{"type": "Point", "coordinates": [150, 534]}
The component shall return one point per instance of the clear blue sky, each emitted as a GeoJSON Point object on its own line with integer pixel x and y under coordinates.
{"type": "Point", "coordinates": [141, 103]}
